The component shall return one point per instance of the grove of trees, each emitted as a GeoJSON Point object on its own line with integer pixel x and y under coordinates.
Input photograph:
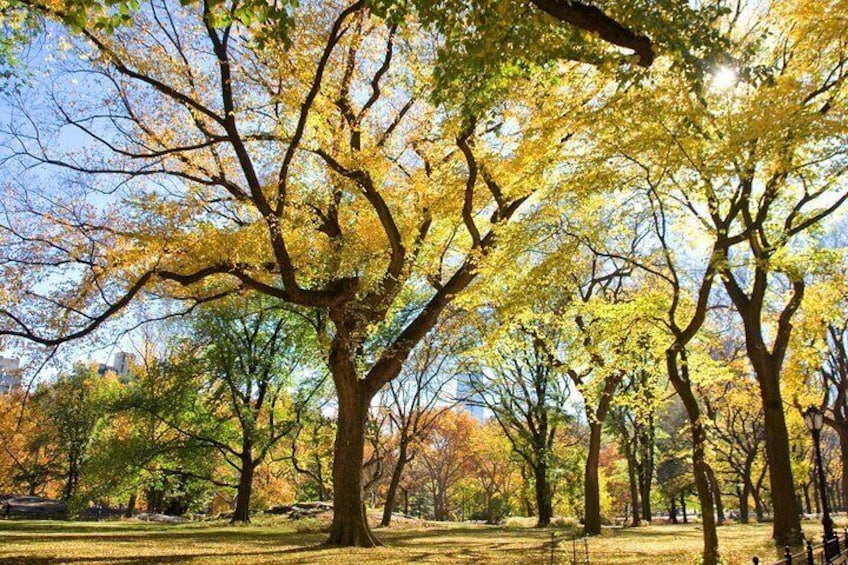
{"type": "Point", "coordinates": [603, 223]}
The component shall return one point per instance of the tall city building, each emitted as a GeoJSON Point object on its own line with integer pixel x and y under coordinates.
{"type": "Point", "coordinates": [122, 362]}
{"type": "Point", "coordinates": [120, 365]}
{"type": "Point", "coordinates": [10, 374]}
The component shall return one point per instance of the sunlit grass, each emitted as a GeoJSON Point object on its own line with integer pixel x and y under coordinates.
{"type": "Point", "coordinates": [272, 541]}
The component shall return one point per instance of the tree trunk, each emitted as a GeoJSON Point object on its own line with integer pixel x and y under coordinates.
{"type": "Point", "coordinates": [525, 497]}
{"type": "Point", "coordinates": [634, 485]}
{"type": "Point", "coordinates": [679, 377]}
{"type": "Point", "coordinates": [716, 494]}
{"type": "Point", "coordinates": [592, 494]}
{"type": "Point", "coordinates": [672, 511]}
{"type": "Point", "coordinates": [683, 507]}
{"type": "Point", "coordinates": [71, 483]}
{"type": "Point", "coordinates": [743, 502]}
{"type": "Point", "coordinates": [843, 447]}
{"type": "Point", "coordinates": [816, 495]}
{"type": "Point", "coordinates": [759, 510]}
{"type": "Point", "coordinates": [245, 489]}
{"type": "Point", "coordinates": [440, 506]}
{"type": "Point", "coordinates": [130, 506]}
{"type": "Point", "coordinates": [786, 528]}
{"type": "Point", "coordinates": [350, 524]}
{"type": "Point", "coordinates": [646, 468]}
{"type": "Point", "coordinates": [397, 472]}
{"type": "Point", "coordinates": [805, 488]}
{"type": "Point", "coordinates": [543, 495]}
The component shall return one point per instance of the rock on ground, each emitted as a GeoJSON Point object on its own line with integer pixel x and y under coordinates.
{"type": "Point", "coordinates": [32, 507]}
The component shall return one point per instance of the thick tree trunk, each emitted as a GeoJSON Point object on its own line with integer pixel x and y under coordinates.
{"type": "Point", "coordinates": [672, 511]}
{"type": "Point", "coordinates": [786, 528]}
{"type": "Point", "coordinates": [543, 495]}
{"type": "Point", "coordinates": [397, 472]}
{"type": "Point", "coordinates": [592, 494]}
{"type": "Point", "coordinates": [350, 523]}
{"type": "Point", "coordinates": [245, 489]}
{"type": "Point", "coordinates": [440, 504]}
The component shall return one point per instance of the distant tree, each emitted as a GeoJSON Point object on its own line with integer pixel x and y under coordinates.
{"type": "Point", "coordinates": [77, 404]}
{"type": "Point", "coordinates": [738, 436]}
{"type": "Point", "coordinates": [417, 398]}
{"type": "Point", "coordinates": [234, 387]}
{"type": "Point", "coordinates": [674, 474]}
{"type": "Point", "coordinates": [493, 482]}
{"type": "Point", "coordinates": [445, 458]}
{"type": "Point", "coordinates": [521, 381]}
{"type": "Point", "coordinates": [633, 418]}
{"type": "Point", "coordinates": [30, 460]}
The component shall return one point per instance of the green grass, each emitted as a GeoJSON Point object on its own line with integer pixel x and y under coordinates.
{"type": "Point", "coordinates": [275, 541]}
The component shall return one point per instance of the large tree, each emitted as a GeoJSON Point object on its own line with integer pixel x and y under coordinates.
{"type": "Point", "coordinates": [320, 176]}
{"type": "Point", "coordinates": [301, 160]}
{"type": "Point", "coordinates": [246, 354]}
{"type": "Point", "coordinates": [417, 398]}
{"type": "Point", "coordinates": [756, 164]}
{"type": "Point", "coordinates": [77, 404]}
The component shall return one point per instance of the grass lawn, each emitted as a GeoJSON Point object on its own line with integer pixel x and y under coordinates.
{"type": "Point", "coordinates": [273, 541]}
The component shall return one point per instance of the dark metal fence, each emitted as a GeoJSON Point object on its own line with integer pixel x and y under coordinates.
{"type": "Point", "coordinates": [816, 554]}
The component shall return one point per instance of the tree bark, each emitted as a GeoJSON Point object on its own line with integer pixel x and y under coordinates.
{"type": "Point", "coordinates": [743, 502]}
{"type": "Point", "coordinates": [843, 447]}
{"type": "Point", "coordinates": [391, 495]}
{"type": "Point", "coordinates": [683, 507]}
{"type": "Point", "coordinates": [130, 506]}
{"type": "Point", "coordinates": [71, 483]}
{"type": "Point", "coordinates": [678, 373]}
{"type": "Point", "coordinates": [543, 495]}
{"type": "Point", "coordinates": [634, 485]}
{"type": "Point", "coordinates": [786, 528]}
{"type": "Point", "coordinates": [646, 471]}
{"type": "Point", "coordinates": [592, 515]}
{"type": "Point", "coordinates": [716, 494]}
{"type": "Point", "coordinates": [350, 524]}
{"type": "Point", "coordinates": [245, 489]}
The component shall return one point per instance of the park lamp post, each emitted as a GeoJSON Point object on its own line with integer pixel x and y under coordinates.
{"type": "Point", "coordinates": [814, 419]}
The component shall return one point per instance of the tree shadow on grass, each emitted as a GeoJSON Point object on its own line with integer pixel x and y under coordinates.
{"type": "Point", "coordinates": [158, 559]}
{"type": "Point", "coordinates": [403, 536]}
